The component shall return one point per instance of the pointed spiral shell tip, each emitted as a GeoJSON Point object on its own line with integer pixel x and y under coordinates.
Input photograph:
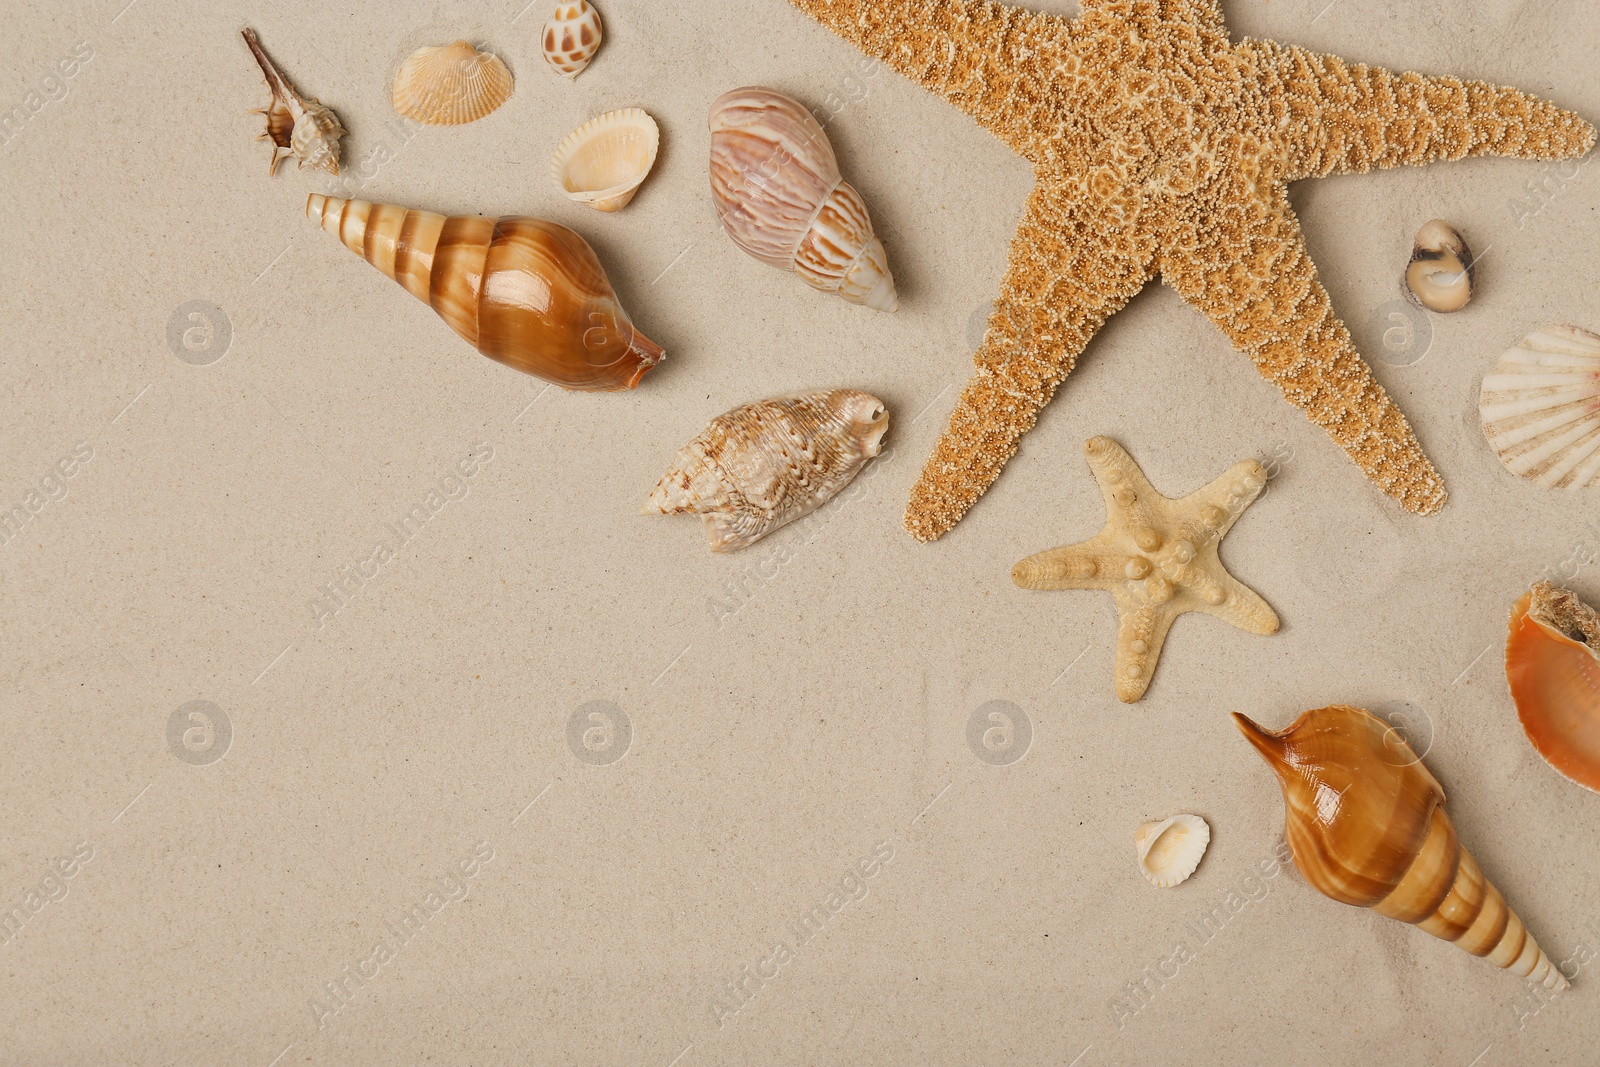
{"type": "Point", "coordinates": [1269, 744]}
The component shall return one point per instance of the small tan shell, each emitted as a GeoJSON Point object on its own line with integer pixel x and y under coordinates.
{"type": "Point", "coordinates": [296, 124]}
{"type": "Point", "coordinates": [572, 37]}
{"type": "Point", "coordinates": [1440, 275]}
{"type": "Point", "coordinates": [1170, 849]}
{"type": "Point", "coordinates": [763, 465]}
{"type": "Point", "coordinates": [450, 85]}
{"type": "Point", "coordinates": [1540, 407]}
{"type": "Point", "coordinates": [778, 191]}
{"type": "Point", "coordinates": [603, 162]}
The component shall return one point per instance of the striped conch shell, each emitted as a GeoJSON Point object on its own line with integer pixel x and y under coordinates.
{"type": "Point", "coordinates": [1366, 826]}
{"type": "Point", "coordinates": [763, 465]}
{"type": "Point", "coordinates": [529, 293]}
{"type": "Point", "coordinates": [296, 125]}
{"type": "Point", "coordinates": [572, 36]}
{"type": "Point", "coordinates": [778, 191]}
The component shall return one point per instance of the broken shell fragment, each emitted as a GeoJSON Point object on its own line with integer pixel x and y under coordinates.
{"type": "Point", "coordinates": [763, 465]}
{"type": "Point", "coordinates": [776, 186]}
{"type": "Point", "coordinates": [572, 37]}
{"type": "Point", "coordinates": [603, 162]}
{"type": "Point", "coordinates": [450, 85]}
{"type": "Point", "coordinates": [1366, 826]}
{"type": "Point", "coordinates": [1170, 849]}
{"type": "Point", "coordinates": [1553, 667]}
{"type": "Point", "coordinates": [1540, 407]}
{"type": "Point", "coordinates": [296, 125]}
{"type": "Point", "coordinates": [1441, 274]}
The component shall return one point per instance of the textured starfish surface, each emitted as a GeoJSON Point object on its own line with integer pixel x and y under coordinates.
{"type": "Point", "coordinates": [1161, 146]}
{"type": "Point", "coordinates": [1158, 557]}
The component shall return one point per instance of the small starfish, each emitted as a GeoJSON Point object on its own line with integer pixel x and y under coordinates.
{"type": "Point", "coordinates": [1158, 558]}
{"type": "Point", "coordinates": [1161, 146]}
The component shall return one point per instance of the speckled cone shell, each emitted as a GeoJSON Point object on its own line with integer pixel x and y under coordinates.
{"type": "Point", "coordinates": [1553, 668]}
{"type": "Point", "coordinates": [1540, 407]}
{"type": "Point", "coordinates": [780, 196]}
{"type": "Point", "coordinates": [1366, 826]}
{"type": "Point", "coordinates": [763, 465]}
{"type": "Point", "coordinates": [529, 293]}
{"type": "Point", "coordinates": [572, 37]}
{"type": "Point", "coordinates": [450, 85]}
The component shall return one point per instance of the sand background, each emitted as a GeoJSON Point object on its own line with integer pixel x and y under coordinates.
{"type": "Point", "coordinates": [791, 711]}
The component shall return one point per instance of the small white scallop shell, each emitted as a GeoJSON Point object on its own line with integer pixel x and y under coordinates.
{"type": "Point", "coordinates": [1540, 407]}
{"type": "Point", "coordinates": [572, 37]}
{"type": "Point", "coordinates": [1170, 849]}
{"type": "Point", "coordinates": [603, 162]}
{"type": "Point", "coordinates": [777, 189]}
{"type": "Point", "coordinates": [450, 85]}
{"type": "Point", "coordinates": [762, 465]}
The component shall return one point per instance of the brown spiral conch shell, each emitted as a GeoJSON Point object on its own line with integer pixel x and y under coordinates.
{"type": "Point", "coordinates": [1366, 826]}
{"type": "Point", "coordinates": [1553, 667]}
{"type": "Point", "coordinates": [297, 125]}
{"type": "Point", "coordinates": [777, 189]}
{"type": "Point", "coordinates": [529, 293]}
{"type": "Point", "coordinates": [762, 465]}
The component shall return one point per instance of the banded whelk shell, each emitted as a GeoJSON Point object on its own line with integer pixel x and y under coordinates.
{"type": "Point", "coordinates": [603, 162]}
{"type": "Point", "coordinates": [762, 465]}
{"type": "Point", "coordinates": [450, 85]}
{"type": "Point", "coordinates": [1540, 407]}
{"type": "Point", "coordinates": [1170, 849]}
{"type": "Point", "coordinates": [572, 37]}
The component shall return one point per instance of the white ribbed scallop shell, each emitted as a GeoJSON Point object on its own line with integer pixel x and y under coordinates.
{"type": "Point", "coordinates": [450, 85]}
{"type": "Point", "coordinates": [778, 191]}
{"type": "Point", "coordinates": [1540, 407]}
{"type": "Point", "coordinates": [762, 465]}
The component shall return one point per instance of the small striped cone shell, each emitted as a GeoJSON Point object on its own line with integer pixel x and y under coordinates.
{"type": "Point", "coordinates": [1366, 826]}
{"type": "Point", "coordinates": [529, 293]}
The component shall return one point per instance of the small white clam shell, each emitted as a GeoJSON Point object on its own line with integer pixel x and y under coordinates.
{"type": "Point", "coordinates": [1540, 407]}
{"type": "Point", "coordinates": [1170, 849]}
{"type": "Point", "coordinates": [603, 162]}
{"type": "Point", "coordinates": [450, 85]}
{"type": "Point", "coordinates": [572, 36]}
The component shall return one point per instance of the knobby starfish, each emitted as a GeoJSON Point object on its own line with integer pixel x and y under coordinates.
{"type": "Point", "coordinates": [1157, 557]}
{"type": "Point", "coordinates": [1160, 146]}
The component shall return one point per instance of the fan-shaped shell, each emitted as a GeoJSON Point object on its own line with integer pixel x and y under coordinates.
{"type": "Point", "coordinates": [762, 465]}
{"type": "Point", "coordinates": [1170, 848]}
{"type": "Point", "coordinates": [1553, 667]}
{"type": "Point", "coordinates": [450, 85]}
{"type": "Point", "coordinates": [778, 191]}
{"type": "Point", "coordinates": [603, 162]}
{"type": "Point", "coordinates": [1540, 407]}
{"type": "Point", "coordinates": [572, 36]}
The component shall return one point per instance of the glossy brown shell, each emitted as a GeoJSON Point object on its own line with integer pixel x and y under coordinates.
{"type": "Point", "coordinates": [1554, 674]}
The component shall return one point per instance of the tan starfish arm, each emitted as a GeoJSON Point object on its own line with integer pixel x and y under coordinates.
{"type": "Point", "coordinates": [1065, 279]}
{"type": "Point", "coordinates": [1242, 607]}
{"type": "Point", "coordinates": [1094, 564]}
{"type": "Point", "coordinates": [1229, 495]}
{"type": "Point", "coordinates": [963, 50]}
{"type": "Point", "coordinates": [1141, 631]}
{"type": "Point", "coordinates": [1341, 118]}
{"type": "Point", "coordinates": [1248, 270]}
{"type": "Point", "coordinates": [1194, 12]}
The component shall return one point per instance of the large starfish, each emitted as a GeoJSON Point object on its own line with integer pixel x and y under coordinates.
{"type": "Point", "coordinates": [1157, 557]}
{"type": "Point", "coordinates": [1160, 146]}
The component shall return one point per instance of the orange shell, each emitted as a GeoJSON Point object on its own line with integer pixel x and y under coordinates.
{"type": "Point", "coordinates": [1555, 680]}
